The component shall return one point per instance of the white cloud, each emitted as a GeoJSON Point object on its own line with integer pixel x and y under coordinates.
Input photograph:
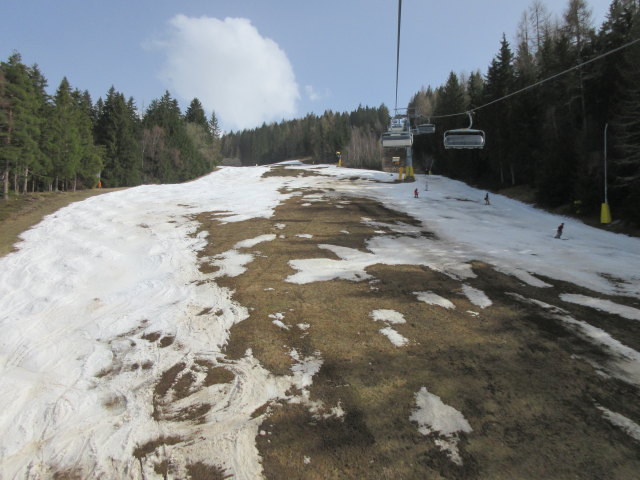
{"type": "Point", "coordinates": [311, 93]}
{"type": "Point", "coordinates": [244, 77]}
{"type": "Point", "coordinates": [314, 95]}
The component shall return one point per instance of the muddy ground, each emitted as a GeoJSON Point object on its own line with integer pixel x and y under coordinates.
{"type": "Point", "coordinates": [528, 386]}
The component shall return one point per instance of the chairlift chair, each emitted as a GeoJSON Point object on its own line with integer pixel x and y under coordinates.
{"type": "Point", "coordinates": [397, 139]}
{"type": "Point", "coordinates": [399, 134]}
{"type": "Point", "coordinates": [464, 138]}
{"type": "Point", "coordinates": [399, 123]}
{"type": "Point", "coordinates": [427, 128]}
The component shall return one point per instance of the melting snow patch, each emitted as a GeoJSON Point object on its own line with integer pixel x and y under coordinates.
{"type": "Point", "coordinates": [303, 326]}
{"type": "Point", "coordinates": [523, 276]}
{"type": "Point", "coordinates": [231, 263]}
{"type": "Point", "coordinates": [394, 337]}
{"type": "Point", "coordinates": [625, 363]}
{"type": "Point", "coordinates": [628, 426]}
{"type": "Point", "coordinates": [389, 316]}
{"type": "Point", "coordinates": [435, 418]}
{"type": "Point", "coordinates": [280, 226]}
{"type": "Point", "coordinates": [434, 299]}
{"type": "Point", "coordinates": [304, 369]}
{"type": "Point", "coordinates": [278, 323]}
{"type": "Point", "coordinates": [385, 250]}
{"type": "Point", "coordinates": [277, 320]}
{"type": "Point", "coordinates": [252, 242]}
{"type": "Point", "coordinates": [399, 227]}
{"type": "Point", "coordinates": [304, 235]}
{"type": "Point", "coordinates": [477, 297]}
{"type": "Point", "coordinates": [338, 411]}
{"type": "Point", "coordinates": [602, 305]}
{"type": "Point", "coordinates": [306, 460]}
{"type": "Point", "coordinates": [313, 197]}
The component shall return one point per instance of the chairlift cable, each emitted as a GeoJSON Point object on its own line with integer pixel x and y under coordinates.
{"type": "Point", "coordinates": [398, 52]}
{"type": "Point", "coordinates": [558, 74]}
{"type": "Point", "coordinates": [509, 95]}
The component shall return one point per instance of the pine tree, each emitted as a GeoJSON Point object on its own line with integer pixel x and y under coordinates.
{"type": "Point", "coordinates": [195, 114]}
{"type": "Point", "coordinates": [500, 81]}
{"type": "Point", "coordinates": [42, 165]}
{"type": "Point", "coordinates": [117, 131]}
{"type": "Point", "coordinates": [214, 127]}
{"type": "Point", "coordinates": [19, 125]}
{"type": "Point", "coordinates": [626, 128]}
{"type": "Point", "coordinates": [66, 148]}
{"type": "Point", "coordinates": [557, 164]}
{"type": "Point", "coordinates": [91, 157]}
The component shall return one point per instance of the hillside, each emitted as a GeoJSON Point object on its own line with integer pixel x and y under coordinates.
{"type": "Point", "coordinates": [301, 321]}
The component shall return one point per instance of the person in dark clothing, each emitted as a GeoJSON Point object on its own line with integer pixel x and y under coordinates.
{"type": "Point", "coordinates": [486, 199]}
{"type": "Point", "coordinates": [559, 232]}
{"type": "Point", "coordinates": [415, 193]}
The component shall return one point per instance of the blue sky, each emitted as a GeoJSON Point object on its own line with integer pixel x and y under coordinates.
{"type": "Point", "coordinates": [255, 61]}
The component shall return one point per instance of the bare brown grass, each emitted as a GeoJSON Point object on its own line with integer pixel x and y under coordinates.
{"type": "Point", "coordinates": [517, 376]}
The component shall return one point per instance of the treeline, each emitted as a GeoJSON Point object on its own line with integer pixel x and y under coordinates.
{"type": "Point", "coordinates": [551, 136]}
{"type": "Point", "coordinates": [65, 141]}
{"type": "Point", "coordinates": [317, 136]}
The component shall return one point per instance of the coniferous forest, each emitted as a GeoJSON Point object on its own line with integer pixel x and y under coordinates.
{"type": "Point", "coordinates": [65, 141]}
{"type": "Point", "coordinates": [550, 137]}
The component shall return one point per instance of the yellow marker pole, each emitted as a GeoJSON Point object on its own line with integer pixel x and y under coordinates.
{"type": "Point", "coordinates": [605, 213]}
{"type": "Point", "coordinates": [400, 173]}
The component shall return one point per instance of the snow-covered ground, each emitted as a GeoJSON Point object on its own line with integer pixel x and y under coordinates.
{"type": "Point", "coordinates": [76, 392]}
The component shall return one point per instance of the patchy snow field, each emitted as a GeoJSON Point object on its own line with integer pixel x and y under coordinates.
{"type": "Point", "coordinates": [105, 296]}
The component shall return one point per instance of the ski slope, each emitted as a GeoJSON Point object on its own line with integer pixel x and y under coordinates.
{"type": "Point", "coordinates": [76, 392]}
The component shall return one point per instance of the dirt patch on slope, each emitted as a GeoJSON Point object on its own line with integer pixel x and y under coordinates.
{"type": "Point", "coordinates": [524, 382]}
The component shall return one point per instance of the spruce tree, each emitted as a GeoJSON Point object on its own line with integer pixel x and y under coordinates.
{"type": "Point", "coordinates": [42, 165]}
{"type": "Point", "coordinates": [19, 124]}
{"type": "Point", "coordinates": [500, 81]}
{"type": "Point", "coordinates": [195, 114]}
{"type": "Point", "coordinates": [91, 158]}
{"type": "Point", "coordinates": [117, 131]}
{"type": "Point", "coordinates": [625, 163]}
{"type": "Point", "coordinates": [66, 147]}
